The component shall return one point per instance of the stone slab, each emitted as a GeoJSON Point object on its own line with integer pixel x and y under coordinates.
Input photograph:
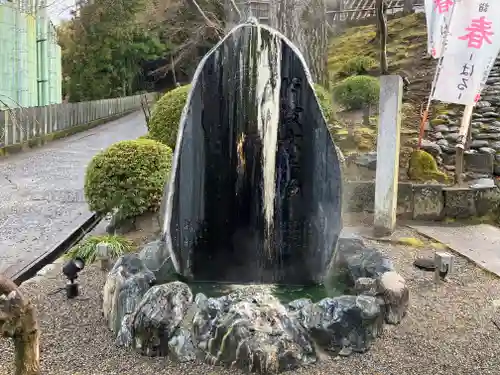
{"type": "Point", "coordinates": [386, 180]}
{"type": "Point", "coordinates": [428, 202]}
{"type": "Point", "coordinates": [256, 180]}
{"type": "Point", "coordinates": [478, 243]}
{"type": "Point", "coordinates": [459, 202]}
{"type": "Point", "coordinates": [479, 162]}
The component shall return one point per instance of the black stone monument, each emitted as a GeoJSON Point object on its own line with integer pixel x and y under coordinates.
{"type": "Point", "coordinates": [255, 188]}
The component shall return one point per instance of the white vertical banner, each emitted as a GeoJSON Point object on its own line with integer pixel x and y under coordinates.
{"type": "Point", "coordinates": [473, 44]}
{"type": "Point", "coordinates": [437, 15]}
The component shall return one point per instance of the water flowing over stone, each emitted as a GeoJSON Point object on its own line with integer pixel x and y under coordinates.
{"type": "Point", "coordinates": [255, 187]}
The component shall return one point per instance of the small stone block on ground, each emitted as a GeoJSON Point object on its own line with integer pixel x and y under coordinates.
{"type": "Point", "coordinates": [428, 202]}
{"type": "Point", "coordinates": [459, 202]}
{"type": "Point", "coordinates": [486, 200]}
{"type": "Point", "coordinates": [478, 162]}
{"type": "Point", "coordinates": [360, 196]}
{"type": "Point", "coordinates": [405, 200]}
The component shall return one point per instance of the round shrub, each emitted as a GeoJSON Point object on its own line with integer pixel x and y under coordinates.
{"type": "Point", "coordinates": [145, 136]}
{"type": "Point", "coordinates": [358, 65]}
{"type": "Point", "coordinates": [357, 92]}
{"type": "Point", "coordinates": [128, 176]}
{"type": "Point", "coordinates": [164, 121]}
{"type": "Point", "coordinates": [326, 103]}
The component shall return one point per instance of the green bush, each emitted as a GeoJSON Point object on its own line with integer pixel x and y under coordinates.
{"type": "Point", "coordinates": [128, 176]}
{"type": "Point", "coordinates": [164, 121]}
{"type": "Point", "coordinates": [145, 136]}
{"type": "Point", "coordinates": [326, 103]}
{"type": "Point", "coordinates": [358, 65]}
{"type": "Point", "coordinates": [87, 249]}
{"type": "Point", "coordinates": [357, 92]}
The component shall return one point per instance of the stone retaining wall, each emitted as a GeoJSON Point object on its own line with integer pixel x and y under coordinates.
{"type": "Point", "coordinates": [428, 201]}
{"type": "Point", "coordinates": [442, 131]}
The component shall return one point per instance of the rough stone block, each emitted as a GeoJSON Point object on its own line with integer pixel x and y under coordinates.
{"type": "Point", "coordinates": [359, 196]}
{"type": "Point", "coordinates": [486, 200]}
{"type": "Point", "coordinates": [125, 286]}
{"type": "Point", "coordinates": [479, 162]}
{"type": "Point", "coordinates": [405, 200]}
{"type": "Point", "coordinates": [459, 202]}
{"type": "Point", "coordinates": [157, 317]}
{"type": "Point", "coordinates": [353, 260]}
{"type": "Point", "coordinates": [392, 287]}
{"type": "Point", "coordinates": [346, 323]}
{"type": "Point", "coordinates": [156, 258]}
{"type": "Point", "coordinates": [428, 202]}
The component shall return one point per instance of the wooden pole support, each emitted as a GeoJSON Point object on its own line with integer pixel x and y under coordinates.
{"type": "Point", "coordinates": [462, 140]}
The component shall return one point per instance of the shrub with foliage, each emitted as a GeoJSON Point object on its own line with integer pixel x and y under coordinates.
{"type": "Point", "coordinates": [87, 249]}
{"type": "Point", "coordinates": [128, 176]}
{"type": "Point", "coordinates": [357, 92]}
{"type": "Point", "coordinates": [326, 103]}
{"type": "Point", "coordinates": [358, 65]}
{"type": "Point", "coordinates": [145, 136]}
{"type": "Point", "coordinates": [164, 121]}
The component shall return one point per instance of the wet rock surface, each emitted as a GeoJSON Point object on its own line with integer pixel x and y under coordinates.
{"type": "Point", "coordinates": [126, 284]}
{"type": "Point", "coordinates": [249, 327]}
{"type": "Point", "coordinates": [360, 270]}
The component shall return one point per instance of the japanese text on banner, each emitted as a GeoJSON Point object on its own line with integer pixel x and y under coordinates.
{"type": "Point", "coordinates": [472, 47]}
{"type": "Point", "coordinates": [437, 14]}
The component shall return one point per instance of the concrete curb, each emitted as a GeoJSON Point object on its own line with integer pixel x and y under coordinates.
{"type": "Point", "coordinates": [36, 267]}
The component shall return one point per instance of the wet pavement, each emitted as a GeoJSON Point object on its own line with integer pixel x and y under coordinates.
{"type": "Point", "coordinates": [41, 191]}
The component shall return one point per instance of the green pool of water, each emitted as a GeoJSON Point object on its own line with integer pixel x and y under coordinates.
{"type": "Point", "coordinates": [285, 293]}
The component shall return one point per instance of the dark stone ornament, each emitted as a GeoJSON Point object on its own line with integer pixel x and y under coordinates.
{"type": "Point", "coordinates": [255, 187]}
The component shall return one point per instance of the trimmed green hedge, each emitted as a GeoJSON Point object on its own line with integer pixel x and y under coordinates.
{"type": "Point", "coordinates": [129, 176]}
{"type": "Point", "coordinates": [357, 92]}
{"type": "Point", "coordinates": [164, 121]}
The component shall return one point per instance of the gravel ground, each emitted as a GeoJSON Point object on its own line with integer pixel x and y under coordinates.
{"type": "Point", "coordinates": [41, 190]}
{"type": "Point", "coordinates": [448, 329]}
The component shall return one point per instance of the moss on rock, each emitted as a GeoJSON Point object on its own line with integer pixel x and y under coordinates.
{"type": "Point", "coordinates": [438, 121]}
{"type": "Point", "coordinates": [423, 168]}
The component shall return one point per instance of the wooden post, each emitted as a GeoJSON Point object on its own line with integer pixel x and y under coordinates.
{"type": "Point", "coordinates": [462, 140]}
{"type": "Point", "coordinates": [408, 7]}
{"type": "Point", "coordinates": [387, 174]}
{"type": "Point", "coordinates": [18, 321]}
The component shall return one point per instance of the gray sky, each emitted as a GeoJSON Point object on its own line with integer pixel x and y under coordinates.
{"type": "Point", "coordinates": [60, 9]}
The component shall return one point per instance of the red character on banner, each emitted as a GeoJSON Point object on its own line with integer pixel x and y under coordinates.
{"type": "Point", "coordinates": [479, 32]}
{"type": "Point", "coordinates": [443, 6]}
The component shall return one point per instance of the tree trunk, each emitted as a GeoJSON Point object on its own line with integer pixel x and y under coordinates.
{"type": "Point", "coordinates": [304, 23]}
{"type": "Point", "coordinates": [232, 18]}
{"type": "Point", "coordinates": [408, 7]}
{"type": "Point", "coordinates": [382, 32]}
{"type": "Point", "coordinates": [18, 321]}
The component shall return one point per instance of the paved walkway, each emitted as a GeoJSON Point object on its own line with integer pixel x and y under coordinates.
{"type": "Point", "coordinates": [41, 191]}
